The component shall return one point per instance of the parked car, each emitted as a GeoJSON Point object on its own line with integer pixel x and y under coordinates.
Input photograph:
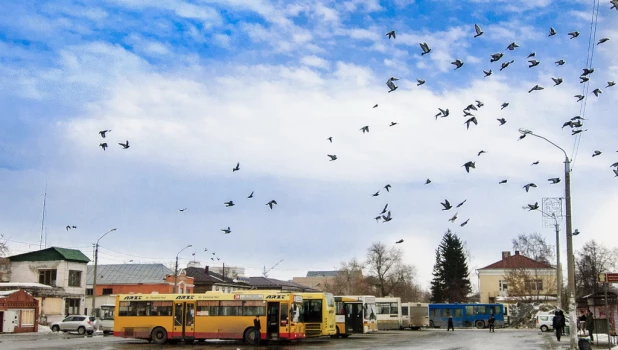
{"type": "Point", "coordinates": [74, 323]}
{"type": "Point", "coordinates": [544, 321]}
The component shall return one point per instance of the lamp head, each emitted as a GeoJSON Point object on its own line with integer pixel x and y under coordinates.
{"type": "Point", "coordinates": [524, 131]}
{"type": "Point", "coordinates": [190, 245]}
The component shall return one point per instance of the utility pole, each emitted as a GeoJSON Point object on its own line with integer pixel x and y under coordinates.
{"type": "Point", "coordinates": [176, 268]}
{"type": "Point", "coordinates": [94, 281]}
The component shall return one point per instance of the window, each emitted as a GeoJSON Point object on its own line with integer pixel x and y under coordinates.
{"type": "Point", "coordinates": [504, 286]}
{"type": "Point", "coordinates": [145, 308]}
{"type": "Point", "coordinates": [404, 311]}
{"type": "Point", "coordinates": [483, 310]}
{"type": "Point", "coordinates": [339, 308]}
{"type": "Point", "coordinates": [536, 285]}
{"type": "Point", "coordinates": [387, 308]}
{"type": "Point", "coordinates": [27, 318]}
{"type": "Point", "coordinates": [207, 308]}
{"type": "Point", "coordinates": [88, 291]}
{"type": "Point", "coordinates": [254, 307]}
{"type": "Point", "coordinates": [71, 306]}
{"type": "Point", "coordinates": [107, 291]}
{"type": "Point", "coordinates": [231, 308]}
{"type": "Point", "coordinates": [75, 278]}
{"type": "Point", "coordinates": [311, 310]}
{"type": "Point", "coordinates": [47, 277]}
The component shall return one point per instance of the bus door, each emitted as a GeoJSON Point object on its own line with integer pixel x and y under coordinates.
{"type": "Point", "coordinates": [356, 318]}
{"type": "Point", "coordinates": [272, 321]}
{"type": "Point", "coordinates": [184, 320]}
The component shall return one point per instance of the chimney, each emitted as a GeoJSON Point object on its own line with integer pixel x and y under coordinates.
{"type": "Point", "coordinates": [505, 255]}
{"type": "Point", "coordinates": [206, 269]}
{"type": "Point", "coordinates": [517, 252]}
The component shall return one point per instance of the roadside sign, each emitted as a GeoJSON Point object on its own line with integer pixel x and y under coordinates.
{"type": "Point", "coordinates": [608, 277]}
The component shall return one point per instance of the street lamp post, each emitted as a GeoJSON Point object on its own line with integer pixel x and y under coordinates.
{"type": "Point", "coordinates": [94, 281]}
{"type": "Point", "coordinates": [176, 267]}
{"type": "Point", "coordinates": [569, 241]}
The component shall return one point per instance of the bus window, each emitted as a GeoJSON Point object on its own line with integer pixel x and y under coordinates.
{"type": "Point", "coordinates": [483, 310]}
{"type": "Point", "coordinates": [470, 311]}
{"type": "Point", "coordinates": [404, 310]}
{"type": "Point", "coordinates": [295, 311]}
{"type": "Point", "coordinates": [284, 313]}
{"type": "Point", "coordinates": [339, 308]}
{"type": "Point", "coordinates": [190, 314]}
{"type": "Point", "coordinates": [495, 309]}
{"type": "Point", "coordinates": [178, 314]}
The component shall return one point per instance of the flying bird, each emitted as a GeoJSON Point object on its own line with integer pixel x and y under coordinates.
{"type": "Point", "coordinates": [378, 218]}
{"type": "Point", "coordinates": [332, 157]}
{"type": "Point", "coordinates": [502, 121]}
{"type": "Point", "coordinates": [443, 113]}
{"type": "Point", "coordinates": [376, 105]}
{"type": "Point", "coordinates": [534, 206]}
{"type": "Point", "coordinates": [615, 172]}
{"type": "Point", "coordinates": [460, 204]}
{"type": "Point", "coordinates": [453, 218]}
{"type": "Point", "coordinates": [399, 241]}
{"type": "Point", "coordinates": [596, 153]}
{"type": "Point", "coordinates": [181, 210]}
{"type": "Point", "coordinates": [534, 163]}
{"type": "Point", "coordinates": [446, 205]}
{"type": "Point", "coordinates": [512, 46]}
{"type": "Point", "coordinates": [532, 54]}
{"type": "Point", "coordinates": [469, 165]}
{"type": "Point", "coordinates": [479, 104]}
{"type": "Point", "coordinates": [330, 138]}
{"type": "Point", "coordinates": [376, 194]}
{"type": "Point", "coordinates": [481, 152]}
{"type": "Point", "coordinates": [533, 63]}
{"type": "Point", "coordinates": [506, 64]}
{"type": "Point", "coordinates": [391, 35]}
{"type": "Point", "coordinates": [229, 204]}
{"type": "Point", "coordinates": [270, 204]}
{"type": "Point", "coordinates": [602, 40]}
{"type": "Point", "coordinates": [391, 86]}
{"type": "Point", "coordinates": [426, 49]}
{"type": "Point", "coordinates": [124, 145]}
{"type": "Point", "coordinates": [504, 105]}
{"type": "Point", "coordinates": [574, 34]}
{"type": "Point", "coordinates": [575, 132]}
{"type": "Point", "coordinates": [103, 145]}
{"type": "Point", "coordinates": [579, 97]}
{"type": "Point", "coordinates": [420, 82]}
{"type": "Point", "coordinates": [251, 195]}
{"type": "Point", "coordinates": [554, 180]}
{"type": "Point", "coordinates": [464, 223]}
{"type": "Point", "coordinates": [103, 132]}
{"type": "Point", "coordinates": [478, 30]}
{"type": "Point", "coordinates": [596, 92]}
{"type": "Point", "coordinates": [552, 31]}
{"type": "Point", "coordinates": [458, 64]}
{"type": "Point", "coordinates": [496, 57]}
{"type": "Point", "coordinates": [387, 217]}
{"type": "Point", "coordinates": [536, 88]}
{"type": "Point", "coordinates": [527, 186]}
{"type": "Point", "coordinates": [393, 124]}
{"type": "Point", "coordinates": [557, 81]}
{"type": "Point", "coordinates": [387, 187]}
{"type": "Point", "coordinates": [226, 231]}
{"type": "Point", "coordinates": [364, 129]}
{"type": "Point", "coordinates": [487, 73]}
{"type": "Point", "coordinates": [471, 120]}
{"type": "Point", "coordinates": [583, 79]}
{"type": "Point", "coordinates": [610, 84]}
{"type": "Point", "coordinates": [69, 227]}
{"type": "Point", "coordinates": [384, 210]}
{"type": "Point", "coordinates": [502, 182]}
{"type": "Point", "coordinates": [427, 182]}
{"type": "Point", "coordinates": [560, 62]}
{"type": "Point", "coordinates": [236, 168]}
{"type": "Point", "coordinates": [587, 71]}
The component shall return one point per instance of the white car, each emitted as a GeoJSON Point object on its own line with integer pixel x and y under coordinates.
{"type": "Point", "coordinates": [74, 323]}
{"type": "Point", "coordinates": [545, 321]}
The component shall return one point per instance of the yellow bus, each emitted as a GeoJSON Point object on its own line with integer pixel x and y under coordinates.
{"type": "Point", "coordinates": [213, 315]}
{"type": "Point", "coordinates": [355, 314]}
{"type": "Point", "coordinates": [318, 314]}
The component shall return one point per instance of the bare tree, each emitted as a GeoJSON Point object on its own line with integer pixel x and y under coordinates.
{"type": "Point", "coordinates": [349, 280]}
{"type": "Point", "coordinates": [4, 249]}
{"type": "Point", "coordinates": [531, 284]}
{"type": "Point", "coordinates": [591, 260]}
{"type": "Point", "coordinates": [534, 246]}
{"type": "Point", "coordinates": [386, 270]}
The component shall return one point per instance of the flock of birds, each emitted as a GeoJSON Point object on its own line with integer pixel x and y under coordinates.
{"type": "Point", "coordinates": [575, 124]}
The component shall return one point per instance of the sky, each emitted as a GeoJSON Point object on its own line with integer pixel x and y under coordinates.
{"type": "Point", "coordinates": [197, 86]}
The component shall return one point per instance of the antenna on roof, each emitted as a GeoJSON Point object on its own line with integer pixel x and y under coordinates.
{"type": "Point", "coordinates": [267, 271]}
{"type": "Point", "coordinates": [43, 220]}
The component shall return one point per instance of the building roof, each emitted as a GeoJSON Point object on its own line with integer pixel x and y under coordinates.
{"type": "Point", "coordinates": [321, 273]}
{"type": "Point", "coordinates": [517, 261]}
{"type": "Point", "coordinates": [200, 277]}
{"type": "Point", "coordinates": [128, 274]}
{"type": "Point", "coordinates": [24, 285]}
{"type": "Point", "coordinates": [52, 254]}
{"type": "Point", "coordinates": [271, 283]}
{"type": "Point", "coordinates": [5, 293]}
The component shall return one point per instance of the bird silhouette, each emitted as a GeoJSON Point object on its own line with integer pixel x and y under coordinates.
{"type": "Point", "coordinates": [502, 182]}
{"type": "Point", "coordinates": [330, 139]}
{"type": "Point", "coordinates": [502, 121]}
{"type": "Point", "coordinates": [464, 223]}
{"type": "Point", "coordinates": [226, 230]}
{"type": "Point", "coordinates": [270, 204]}
{"type": "Point", "coordinates": [527, 186]}
{"type": "Point", "coordinates": [387, 187]}
{"type": "Point", "coordinates": [478, 31]}
{"type": "Point", "coordinates": [460, 204]}
{"type": "Point", "coordinates": [332, 157]}
{"type": "Point", "coordinates": [426, 49]}
{"type": "Point", "coordinates": [236, 168]}
{"type": "Point", "coordinates": [399, 241]}
{"type": "Point", "coordinates": [124, 145]}
{"type": "Point", "coordinates": [469, 165]}
{"type": "Point", "coordinates": [229, 204]}
{"type": "Point", "coordinates": [427, 182]}
{"type": "Point", "coordinates": [446, 205]}
{"type": "Point", "coordinates": [534, 206]}
{"type": "Point", "coordinates": [365, 129]}
{"type": "Point", "coordinates": [181, 210]}
{"type": "Point", "coordinates": [391, 35]}
{"type": "Point", "coordinates": [103, 132]}
{"type": "Point", "coordinates": [103, 145]}
{"type": "Point", "coordinates": [251, 195]}
{"type": "Point", "coordinates": [554, 180]}
{"type": "Point", "coordinates": [384, 210]}
{"type": "Point", "coordinates": [376, 194]}
{"type": "Point", "coordinates": [596, 153]}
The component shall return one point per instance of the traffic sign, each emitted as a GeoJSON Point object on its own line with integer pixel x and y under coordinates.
{"type": "Point", "coordinates": [608, 277]}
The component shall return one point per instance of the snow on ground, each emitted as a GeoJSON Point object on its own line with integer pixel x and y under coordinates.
{"type": "Point", "coordinates": [44, 329]}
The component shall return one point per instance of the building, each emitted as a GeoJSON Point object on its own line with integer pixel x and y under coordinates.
{"type": "Point", "coordinates": [275, 284]}
{"type": "Point", "coordinates": [319, 280]}
{"type": "Point", "coordinates": [134, 278]}
{"type": "Point", "coordinates": [517, 278]}
{"type": "Point", "coordinates": [18, 312]}
{"type": "Point", "coordinates": [62, 270]}
{"type": "Point", "coordinates": [206, 280]}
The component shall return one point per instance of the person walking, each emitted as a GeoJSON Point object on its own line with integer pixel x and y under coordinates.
{"type": "Point", "coordinates": [582, 323]}
{"type": "Point", "coordinates": [450, 324]}
{"type": "Point", "coordinates": [590, 324]}
{"type": "Point", "coordinates": [558, 324]}
{"type": "Point", "coordinates": [256, 329]}
{"type": "Point", "coordinates": [492, 322]}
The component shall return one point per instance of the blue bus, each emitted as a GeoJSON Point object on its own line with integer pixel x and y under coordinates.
{"type": "Point", "coordinates": [465, 315]}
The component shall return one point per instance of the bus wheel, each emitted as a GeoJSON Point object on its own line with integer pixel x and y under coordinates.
{"type": "Point", "coordinates": [480, 324]}
{"type": "Point", "coordinates": [249, 336]}
{"type": "Point", "coordinates": [159, 335]}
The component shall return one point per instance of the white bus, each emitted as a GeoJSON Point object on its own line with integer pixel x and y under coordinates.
{"type": "Point", "coordinates": [414, 315]}
{"type": "Point", "coordinates": [355, 314]}
{"type": "Point", "coordinates": [106, 314]}
{"type": "Point", "coordinates": [389, 314]}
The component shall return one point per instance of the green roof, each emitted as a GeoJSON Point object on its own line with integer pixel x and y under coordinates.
{"type": "Point", "coordinates": [52, 254]}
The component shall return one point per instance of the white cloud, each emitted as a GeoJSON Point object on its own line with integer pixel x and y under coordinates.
{"type": "Point", "coordinates": [315, 61]}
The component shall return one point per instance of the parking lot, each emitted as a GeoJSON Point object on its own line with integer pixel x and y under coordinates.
{"type": "Point", "coordinates": [461, 339]}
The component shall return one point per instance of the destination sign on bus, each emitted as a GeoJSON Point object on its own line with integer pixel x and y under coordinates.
{"type": "Point", "coordinates": [248, 296]}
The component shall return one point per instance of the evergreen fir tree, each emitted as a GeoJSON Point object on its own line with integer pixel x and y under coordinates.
{"type": "Point", "coordinates": [437, 285]}
{"type": "Point", "coordinates": [451, 280]}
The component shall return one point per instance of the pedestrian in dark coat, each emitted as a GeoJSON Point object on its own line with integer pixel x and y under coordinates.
{"type": "Point", "coordinates": [256, 329]}
{"type": "Point", "coordinates": [558, 324]}
{"type": "Point", "coordinates": [491, 322]}
{"type": "Point", "coordinates": [590, 324]}
{"type": "Point", "coordinates": [450, 324]}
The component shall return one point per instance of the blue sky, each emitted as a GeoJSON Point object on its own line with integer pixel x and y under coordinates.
{"type": "Point", "coordinates": [197, 86]}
